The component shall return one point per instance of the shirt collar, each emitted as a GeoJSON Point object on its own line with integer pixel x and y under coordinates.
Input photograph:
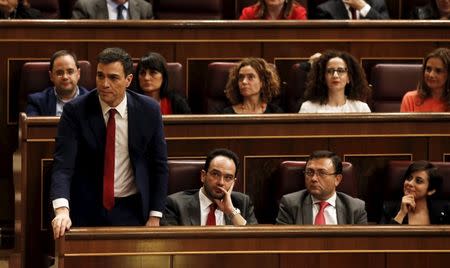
{"type": "Point", "coordinates": [115, 5]}
{"type": "Point", "coordinates": [121, 108]}
{"type": "Point", "coordinates": [204, 200]}
{"type": "Point", "coordinates": [331, 200]}
{"type": "Point", "coordinates": [58, 98]}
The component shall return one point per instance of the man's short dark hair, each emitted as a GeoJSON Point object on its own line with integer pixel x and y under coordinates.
{"type": "Point", "coordinates": [116, 54]}
{"type": "Point", "coordinates": [61, 53]}
{"type": "Point", "coordinates": [337, 162]}
{"type": "Point", "coordinates": [221, 152]}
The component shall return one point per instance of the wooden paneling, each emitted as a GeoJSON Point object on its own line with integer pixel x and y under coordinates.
{"type": "Point", "coordinates": [366, 140]}
{"type": "Point", "coordinates": [259, 246]}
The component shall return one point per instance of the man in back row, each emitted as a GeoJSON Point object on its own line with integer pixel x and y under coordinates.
{"type": "Point", "coordinates": [112, 10]}
{"type": "Point", "coordinates": [353, 10]}
{"type": "Point", "coordinates": [215, 203]}
{"type": "Point", "coordinates": [64, 72]}
{"type": "Point", "coordinates": [319, 203]}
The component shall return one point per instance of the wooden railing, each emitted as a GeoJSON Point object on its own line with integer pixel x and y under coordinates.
{"type": "Point", "coordinates": [368, 141]}
{"type": "Point", "coordinates": [259, 246]}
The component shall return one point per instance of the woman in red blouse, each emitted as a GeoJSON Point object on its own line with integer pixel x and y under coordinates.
{"type": "Point", "coordinates": [274, 10]}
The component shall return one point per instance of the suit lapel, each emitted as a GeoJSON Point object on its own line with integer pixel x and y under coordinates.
{"type": "Point", "coordinates": [133, 128]}
{"type": "Point", "coordinates": [134, 10]}
{"type": "Point", "coordinates": [341, 11]}
{"type": "Point", "coordinates": [51, 105]}
{"type": "Point", "coordinates": [101, 10]}
{"type": "Point", "coordinates": [96, 121]}
{"type": "Point", "coordinates": [193, 208]}
{"type": "Point", "coordinates": [307, 210]}
{"type": "Point", "coordinates": [341, 213]}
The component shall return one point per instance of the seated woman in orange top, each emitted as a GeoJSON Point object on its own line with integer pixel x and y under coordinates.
{"type": "Point", "coordinates": [274, 10]}
{"type": "Point", "coordinates": [433, 92]}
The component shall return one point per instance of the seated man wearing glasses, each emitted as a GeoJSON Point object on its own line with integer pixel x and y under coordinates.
{"type": "Point", "coordinates": [64, 72]}
{"type": "Point", "coordinates": [214, 203]}
{"type": "Point", "coordinates": [319, 203]}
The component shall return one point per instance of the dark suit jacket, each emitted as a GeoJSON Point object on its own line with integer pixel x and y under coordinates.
{"type": "Point", "coordinates": [79, 155]}
{"type": "Point", "coordinates": [43, 103]}
{"type": "Point", "coordinates": [97, 9]}
{"type": "Point", "coordinates": [296, 208]}
{"type": "Point", "coordinates": [183, 208]}
{"type": "Point", "coordinates": [439, 212]}
{"type": "Point", "coordinates": [335, 10]}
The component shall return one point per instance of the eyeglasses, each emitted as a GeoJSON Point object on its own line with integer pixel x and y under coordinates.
{"type": "Point", "coordinates": [320, 173]}
{"type": "Point", "coordinates": [339, 71]}
{"type": "Point", "coordinates": [60, 73]}
{"type": "Point", "coordinates": [217, 175]}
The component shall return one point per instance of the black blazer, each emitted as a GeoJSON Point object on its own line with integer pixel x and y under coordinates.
{"type": "Point", "coordinates": [335, 10]}
{"type": "Point", "coordinates": [439, 212]}
{"type": "Point", "coordinates": [183, 208]}
{"type": "Point", "coordinates": [43, 103]}
{"type": "Point", "coordinates": [79, 155]}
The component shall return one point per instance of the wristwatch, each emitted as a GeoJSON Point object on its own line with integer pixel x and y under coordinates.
{"type": "Point", "coordinates": [234, 213]}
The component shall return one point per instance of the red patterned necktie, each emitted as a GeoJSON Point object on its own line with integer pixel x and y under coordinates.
{"type": "Point", "coordinates": [211, 220]}
{"type": "Point", "coordinates": [320, 217]}
{"type": "Point", "coordinates": [108, 169]}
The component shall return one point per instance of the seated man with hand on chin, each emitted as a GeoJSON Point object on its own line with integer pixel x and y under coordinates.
{"type": "Point", "coordinates": [215, 203]}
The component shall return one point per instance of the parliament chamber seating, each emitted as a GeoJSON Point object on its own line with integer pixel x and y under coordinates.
{"type": "Point", "coordinates": [34, 77]}
{"type": "Point", "coordinates": [49, 8]}
{"type": "Point", "coordinates": [390, 82]}
{"type": "Point", "coordinates": [175, 72]}
{"type": "Point", "coordinates": [189, 10]}
{"type": "Point", "coordinates": [184, 175]}
{"type": "Point", "coordinates": [393, 183]}
{"type": "Point", "coordinates": [291, 179]}
{"type": "Point", "coordinates": [295, 88]}
{"type": "Point", "coordinates": [214, 96]}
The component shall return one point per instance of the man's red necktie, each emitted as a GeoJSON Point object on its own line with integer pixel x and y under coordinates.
{"type": "Point", "coordinates": [108, 169]}
{"type": "Point", "coordinates": [211, 220]}
{"type": "Point", "coordinates": [320, 217]}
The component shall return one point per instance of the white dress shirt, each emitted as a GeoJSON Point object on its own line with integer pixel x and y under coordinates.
{"type": "Point", "coordinates": [60, 102]}
{"type": "Point", "coordinates": [359, 13]}
{"type": "Point", "coordinates": [329, 212]}
{"type": "Point", "coordinates": [112, 10]}
{"type": "Point", "coordinates": [204, 210]}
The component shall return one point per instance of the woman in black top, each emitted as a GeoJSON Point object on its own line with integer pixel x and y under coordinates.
{"type": "Point", "coordinates": [421, 182]}
{"type": "Point", "coordinates": [152, 80]}
{"type": "Point", "coordinates": [18, 9]}
{"type": "Point", "coordinates": [435, 10]}
{"type": "Point", "coordinates": [251, 86]}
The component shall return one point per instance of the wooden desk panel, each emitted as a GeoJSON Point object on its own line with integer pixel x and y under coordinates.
{"type": "Point", "coordinates": [366, 140]}
{"type": "Point", "coordinates": [256, 246]}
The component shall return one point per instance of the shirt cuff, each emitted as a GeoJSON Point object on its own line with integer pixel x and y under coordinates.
{"type": "Point", "coordinates": [60, 202]}
{"type": "Point", "coordinates": [156, 214]}
{"type": "Point", "coordinates": [365, 10]}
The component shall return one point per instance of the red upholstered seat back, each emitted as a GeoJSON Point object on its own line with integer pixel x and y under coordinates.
{"type": "Point", "coordinates": [390, 82]}
{"type": "Point", "coordinates": [34, 77]}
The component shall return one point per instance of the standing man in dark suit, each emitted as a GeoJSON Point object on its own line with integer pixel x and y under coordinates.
{"type": "Point", "coordinates": [112, 10]}
{"type": "Point", "coordinates": [319, 203]}
{"type": "Point", "coordinates": [64, 72]}
{"type": "Point", "coordinates": [352, 9]}
{"type": "Point", "coordinates": [215, 203]}
{"type": "Point", "coordinates": [110, 161]}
